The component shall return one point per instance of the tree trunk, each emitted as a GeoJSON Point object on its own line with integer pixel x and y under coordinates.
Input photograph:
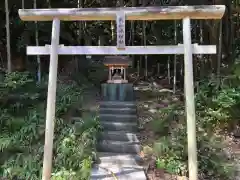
{"type": "Point", "coordinates": [175, 59]}
{"type": "Point", "coordinates": [9, 64]}
{"type": "Point", "coordinates": [49, 3]}
{"type": "Point", "coordinates": [144, 24]}
{"type": "Point", "coordinates": [132, 39]}
{"type": "Point", "coordinates": [23, 4]}
{"type": "Point", "coordinates": [219, 53]}
{"type": "Point", "coordinates": [230, 50]}
{"type": "Point", "coordinates": [202, 58]}
{"type": "Point", "coordinates": [37, 44]}
{"type": "Point", "coordinates": [80, 24]}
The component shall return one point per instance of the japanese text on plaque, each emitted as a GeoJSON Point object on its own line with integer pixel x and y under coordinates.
{"type": "Point", "coordinates": [120, 30]}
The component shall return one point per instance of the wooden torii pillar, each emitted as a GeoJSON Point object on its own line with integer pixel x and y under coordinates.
{"type": "Point", "coordinates": [184, 13]}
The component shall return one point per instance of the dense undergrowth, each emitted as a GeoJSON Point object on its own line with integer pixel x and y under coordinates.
{"type": "Point", "coordinates": [22, 123]}
{"type": "Point", "coordinates": [217, 112]}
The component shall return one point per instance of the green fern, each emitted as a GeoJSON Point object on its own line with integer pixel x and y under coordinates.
{"type": "Point", "coordinates": [22, 125]}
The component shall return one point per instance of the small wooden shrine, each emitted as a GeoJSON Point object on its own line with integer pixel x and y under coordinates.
{"type": "Point", "coordinates": [117, 66]}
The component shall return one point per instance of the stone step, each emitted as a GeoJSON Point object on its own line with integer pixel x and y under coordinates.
{"type": "Point", "coordinates": [118, 117]}
{"type": "Point", "coordinates": [126, 110]}
{"type": "Point", "coordinates": [110, 172]}
{"type": "Point", "coordinates": [118, 146]}
{"type": "Point", "coordinates": [117, 104]}
{"type": "Point", "coordinates": [76, 119]}
{"type": "Point", "coordinates": [119, 159]}
{"type": "Point", "coordinates": [119, 126]}
{"type": "Point", "coordinates": [119, 136]}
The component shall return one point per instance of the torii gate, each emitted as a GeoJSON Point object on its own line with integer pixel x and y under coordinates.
{"type": "Point", "coordinates": [184, 13]}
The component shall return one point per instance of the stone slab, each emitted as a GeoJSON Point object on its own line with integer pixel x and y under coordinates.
{"type": "Point", "coordinates": [111, 172]}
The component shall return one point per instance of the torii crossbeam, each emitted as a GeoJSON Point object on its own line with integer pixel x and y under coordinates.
{"type": "Point", "coordinates": [184, 13]}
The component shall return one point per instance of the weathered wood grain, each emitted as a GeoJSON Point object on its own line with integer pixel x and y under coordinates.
{"type": "Point", "coordinates": [132, 13]}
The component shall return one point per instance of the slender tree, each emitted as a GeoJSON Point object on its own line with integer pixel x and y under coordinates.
{"type": "Point", "coordinates": [37, 44]}
{"type": "Point", "coordinates": [9, 64]}
{"type": "Point", "coordinates": [144, 25]}
{"type": "Point", "coordinates": [23, 4]}
{"type": "Point", "coordinates": [175, 59]}
{"type": "Point", "coordinates": [219, 53]}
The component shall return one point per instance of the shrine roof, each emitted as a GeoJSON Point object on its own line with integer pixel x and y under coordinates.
{"type": "Point", "coordinates": [117, 61]}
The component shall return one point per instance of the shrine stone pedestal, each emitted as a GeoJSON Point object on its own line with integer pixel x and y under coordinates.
{"type": "Point", "coordinates": [117, 92]}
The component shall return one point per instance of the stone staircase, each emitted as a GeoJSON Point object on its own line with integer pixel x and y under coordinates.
{"type": "Point", "coordinates": [118, 146]}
